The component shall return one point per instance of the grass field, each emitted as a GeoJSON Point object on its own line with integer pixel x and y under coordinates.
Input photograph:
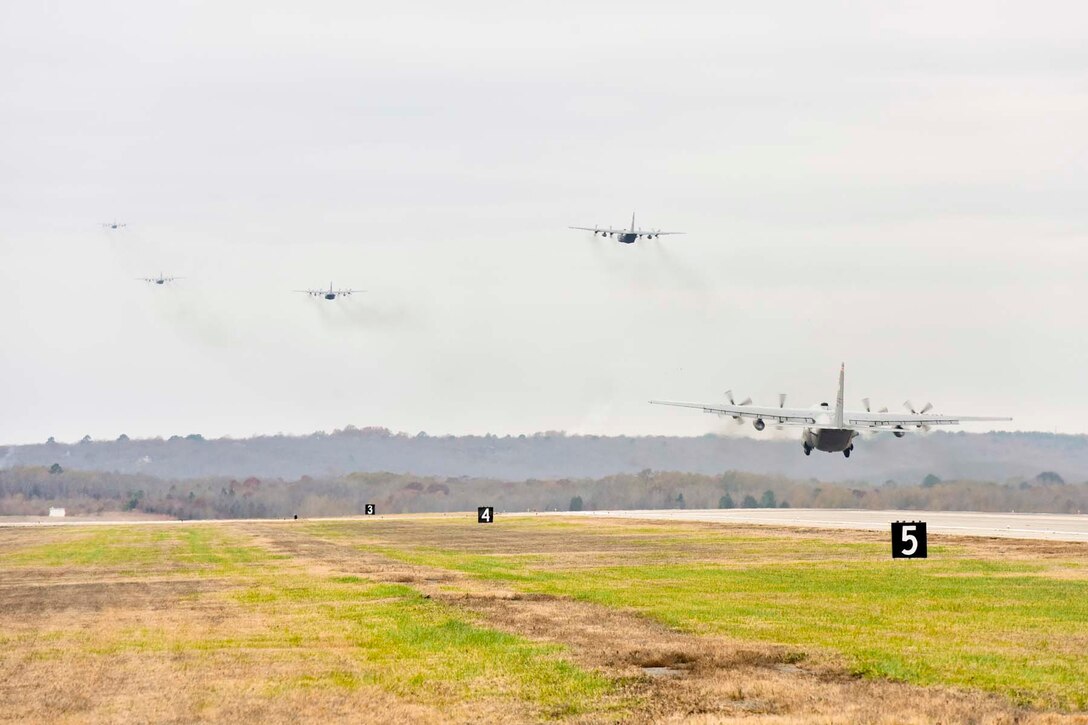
{"type": "Point", "coordinates": [440, 619]}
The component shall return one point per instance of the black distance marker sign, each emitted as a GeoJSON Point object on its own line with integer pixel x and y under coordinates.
{"type": "Point", "coordinates": [485, 514]}
{"type": "Point", "coordinates": [909, 540]}
{"type": "Point", "coordinates": [369, 509]}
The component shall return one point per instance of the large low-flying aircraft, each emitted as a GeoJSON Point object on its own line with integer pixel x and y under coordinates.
{"type": "Point", "coordinates": [831, 429]}
{"type": "Point", "coordinates": [330, 293]}
{"type": "Point", "coordinates": [626, 236]}
{"type": "Point", "coordinates": [113, 225]}
{"type": "Point", "coordinates": [158, 280]}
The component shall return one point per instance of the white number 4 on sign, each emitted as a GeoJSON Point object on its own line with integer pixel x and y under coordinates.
{"type": "Point", "coordinates": [909, 540]}
{"type": "Point", "coordinates": [485, 514]}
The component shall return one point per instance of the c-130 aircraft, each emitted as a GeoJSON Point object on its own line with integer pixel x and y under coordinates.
{"type": "Point", "coordinates": [330, 293]}
{"type": "Point", "coordinates": [625, 236]}
{"type": "Point", "coordinates": [832, 429]}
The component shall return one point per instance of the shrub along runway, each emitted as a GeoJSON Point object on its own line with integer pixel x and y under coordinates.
{"type": "Point", "coordinates": [438, 619]}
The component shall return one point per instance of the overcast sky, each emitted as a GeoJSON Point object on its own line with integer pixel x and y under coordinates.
{"type": "Point", "coordinates": [900, 186]}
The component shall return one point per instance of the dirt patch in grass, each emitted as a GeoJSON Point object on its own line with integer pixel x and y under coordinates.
{"type": "Point", "coordinates": [31, 596]}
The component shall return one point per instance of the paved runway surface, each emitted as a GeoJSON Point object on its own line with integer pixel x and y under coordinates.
{"type": "Point", "coordinates": [1058, 527]}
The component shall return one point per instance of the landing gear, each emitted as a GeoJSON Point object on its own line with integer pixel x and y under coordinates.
{"type": "Point", "coordinates": [808, 449]}
{"type": "Point", "coordinates": [847, 451]}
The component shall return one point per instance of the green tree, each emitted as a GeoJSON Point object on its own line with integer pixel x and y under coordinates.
{"type": "Point", "coordinates": [726, 502]}
{"type": "Point", "coordinates": [930, 481]}
{"type": "Point", "coordinates": [680, 501]}
{"type": "Point", "coordinates": [134, 500]}
{"type": "Point", "coordinates": [749, 502]}
{"type": "Point", "coordinates": [767, 501]}
{"type": "Point", "coordinates": [576, 503]}
{"type": "Point", "coordinates": [55, 468]}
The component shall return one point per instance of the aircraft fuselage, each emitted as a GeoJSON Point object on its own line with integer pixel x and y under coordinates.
{"type": "Point", "coordinates": [830, 440]}
{"type": "Point", "coordinates": [627, 238]}
{"type": "Point", "coordinates": [330, 296]}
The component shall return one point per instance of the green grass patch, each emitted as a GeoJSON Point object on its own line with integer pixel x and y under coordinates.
{"type": "Point", "coordinates": [137, 549]}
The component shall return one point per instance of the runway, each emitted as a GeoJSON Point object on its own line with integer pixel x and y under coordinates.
{"type": "Point", "coordinates": [1056, 527]}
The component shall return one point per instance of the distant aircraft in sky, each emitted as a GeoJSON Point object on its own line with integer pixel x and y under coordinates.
{"type": "Point", "coordinates": [158, 280]}
{"type": "Point", "coordinates": [831, 429]}
{"type": "Point", "coordinates": [113, 225]}
{"type": "Point", "coordinates": [626, 236]}
{"type": "Point", "coordinates": [330, 293]}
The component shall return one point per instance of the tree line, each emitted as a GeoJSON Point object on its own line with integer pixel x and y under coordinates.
{"type": "Point", "coordinates": [31, 490]}
{"type": "Point", "coordinates": [557, 455]}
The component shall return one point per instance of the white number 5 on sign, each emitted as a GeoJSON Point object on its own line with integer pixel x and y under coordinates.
{"type": "Point", "coordinates": [909, 540]}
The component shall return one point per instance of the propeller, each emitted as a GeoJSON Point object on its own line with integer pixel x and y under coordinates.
{"type": "Point", "coordinates": [925, 409]}
{"type": "Point", "coordinates": [747, 401]}
{"type": "Point", "coordinates": [868, 409]}
{"type": "Point", "coordinates": [729, 397]}
{"type": "Point", "coordinates": [781, 404]}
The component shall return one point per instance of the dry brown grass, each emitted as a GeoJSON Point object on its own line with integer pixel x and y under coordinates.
{"type": "Point", "coordinates": [60, 628]}
{"type": "Point", "coordinates": [94, 644]}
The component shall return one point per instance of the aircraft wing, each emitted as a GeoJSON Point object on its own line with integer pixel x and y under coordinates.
{"type": "Point", "coordinates": [603, 230]}
{"type": "Point", "coordinates": [904, 421]}
{"type": "Point", "coordinates": [655, 234]}
{"type": "Point", "coordinates": [778, 416]}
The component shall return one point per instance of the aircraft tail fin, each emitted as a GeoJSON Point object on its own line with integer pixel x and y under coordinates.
{"type": "Point", "coordinates": [632, 221]}
{"type": "Point", "coordinates": [839, 397]}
